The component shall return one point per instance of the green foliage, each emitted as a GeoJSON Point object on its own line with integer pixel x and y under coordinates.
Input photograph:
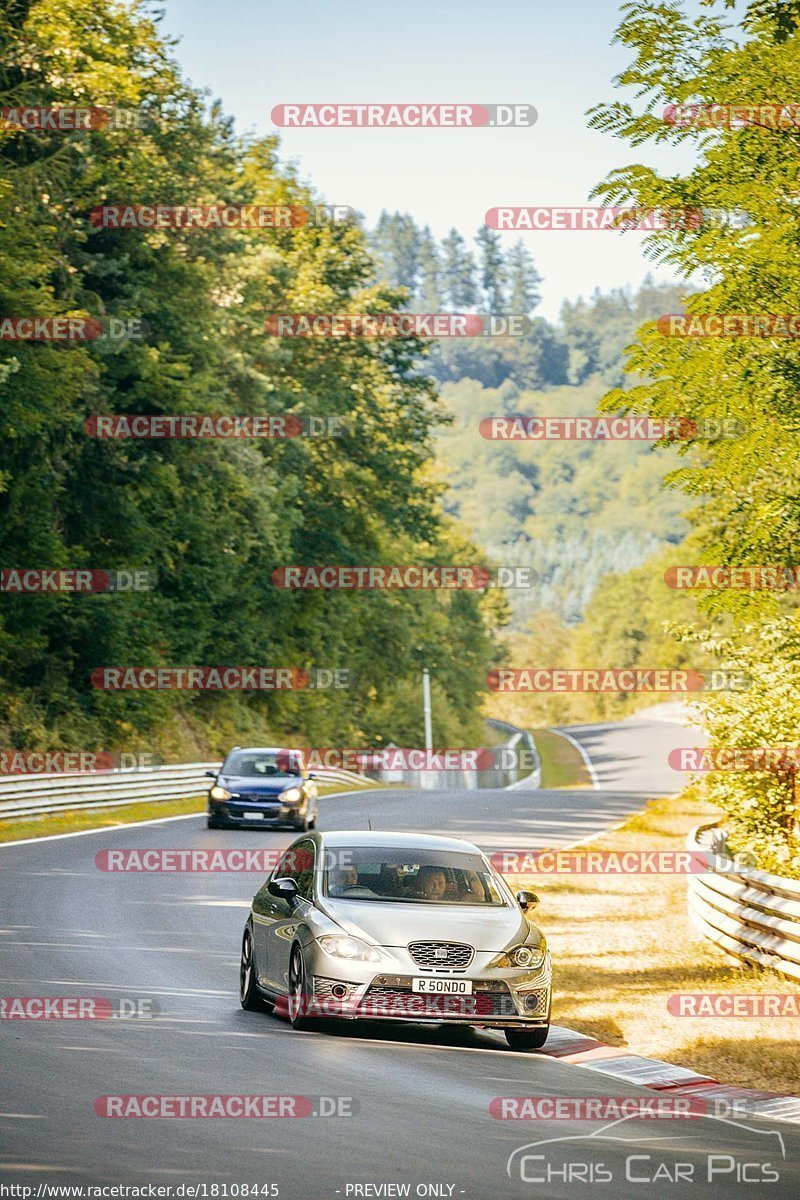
{"type": "Point", "coordinates": [573, 510]}
{"type": "Point", "coordinates": [212, 519]}
{"type": "Point", "coordinates": [748, 487]}
{"type": "Point", "coordinates": [628, 623]}
{"type": "Point", "coordinates": [760, 806]}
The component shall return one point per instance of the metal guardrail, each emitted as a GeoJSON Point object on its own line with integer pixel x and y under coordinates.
{"type": "Point", "coordinates": [750, 914]}
{"type": "Point", "coordinates": [515, 763]}
{"type": "Point", "coordinates": [524, 756]}
{"type": "Point", "coordinates": [35, 795]}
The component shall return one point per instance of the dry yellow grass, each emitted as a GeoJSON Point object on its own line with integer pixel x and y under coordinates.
{"type": "Point", "coordinates": [622, 946]}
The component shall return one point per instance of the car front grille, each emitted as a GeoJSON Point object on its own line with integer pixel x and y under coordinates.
{"type": "Point", "coordinates": [402, 1002]}
{"type": "Point", "coordinates": [441, 956]}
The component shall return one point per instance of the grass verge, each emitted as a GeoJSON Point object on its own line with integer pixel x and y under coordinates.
{"type": "Point", "coordinates": [107, 818]}
{"type": "Point", "coordinates": [562, 765]}
{"type": "Point", "coordinates": [622, 946]}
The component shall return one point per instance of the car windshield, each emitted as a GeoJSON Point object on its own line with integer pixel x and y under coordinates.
{"type": "Point", "coordinates": [265, 764]}
{"type": "Point", "coordinates": [409, 874]}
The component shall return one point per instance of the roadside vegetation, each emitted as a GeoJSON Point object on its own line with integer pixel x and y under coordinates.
{"type": "Point", "coordinates": [744, 488]}
{"type": "Point", "coordinates": [562, 765]}
{"type": "Point", "coordinates": [622, 945]}
{"type": "Point", "coordinates": [740, 492]}
{"type": "Point", "coordinates": [211, 519]}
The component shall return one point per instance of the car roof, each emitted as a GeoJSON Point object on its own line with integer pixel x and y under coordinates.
{"type": "Point", "coordinates": [264, 750]}
{"type": "Point", "coordinates": [419, 841]}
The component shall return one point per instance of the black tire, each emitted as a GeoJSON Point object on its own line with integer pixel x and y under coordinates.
{"type": "Point", "coordinates": [302, 825]}
{"type": "Point", "coordinates": [298, 991]}
{"type": "Point", "coordinates": [212, 824]}
{"type": "Point", "coordinates": [527, 1039]}
{"type": "Point", "coordinates": [249, 996]}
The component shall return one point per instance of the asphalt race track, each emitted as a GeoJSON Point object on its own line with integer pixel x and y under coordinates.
{"type": "Point", "coordinates": [422, 1093]}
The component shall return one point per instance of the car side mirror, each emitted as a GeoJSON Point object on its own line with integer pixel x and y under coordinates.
{"type": "Point", "coordinates": [211, 774]}
{"type": "Point", "coordinates": [527, 900]}
{"type": "Point", "coordinates": [284, 889]}
{"type": "Point", "coordinates": [312, 775]}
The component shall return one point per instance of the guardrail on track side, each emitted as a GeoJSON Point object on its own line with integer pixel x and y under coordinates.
{"type": "Point", "coordinates": [750, 914]}
{"type": "Point", "coordinates": [35, 795]}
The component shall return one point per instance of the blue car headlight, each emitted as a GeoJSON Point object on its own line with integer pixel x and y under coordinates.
{"type": "Point", "coordinates": [291, 796]}
{"type": "Point", "coordinates": [219, 793]}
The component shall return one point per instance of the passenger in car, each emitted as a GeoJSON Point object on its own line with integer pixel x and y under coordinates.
{"type": "Point", "coordinates": [430, 884]}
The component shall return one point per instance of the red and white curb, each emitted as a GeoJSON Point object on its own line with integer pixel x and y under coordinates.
{"type": "Point", "coordinates": [580, 1050]}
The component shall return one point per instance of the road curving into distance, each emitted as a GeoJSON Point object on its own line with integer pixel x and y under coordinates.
{"type": "Point", "coordinates": [422, 1093]}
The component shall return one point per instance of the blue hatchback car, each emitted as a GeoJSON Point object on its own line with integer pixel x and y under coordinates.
{"type": "Point", "coordinates": [263, 786]}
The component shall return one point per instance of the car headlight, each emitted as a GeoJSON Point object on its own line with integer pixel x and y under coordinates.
{"type": "Point", "coordinates": [341, 946]}
{"type": "Point", "coordinates": [291, 796]}
{"type": "Point", "coordinates": [520, 956]}
{"type": "Point", "coordinates": [219, 793]}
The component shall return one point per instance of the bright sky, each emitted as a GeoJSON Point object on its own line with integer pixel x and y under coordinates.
{"type": "Point", "coordinates": [255, 54]}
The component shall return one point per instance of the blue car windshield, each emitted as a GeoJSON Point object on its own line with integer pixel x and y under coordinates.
{"type": "Point", "coordinates": [269, 764]}
{"type": "Point", "coordinates": [409, 875]}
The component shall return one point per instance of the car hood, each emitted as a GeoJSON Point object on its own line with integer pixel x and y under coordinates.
{"type": "Point", "coordinates": [255, 785]}
{"type": "Point", "coordinates": [393, 923]}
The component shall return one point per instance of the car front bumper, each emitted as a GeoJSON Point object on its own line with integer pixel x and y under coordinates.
{"type": "Point", "coordinates": [500, 998]}
{"type": "Point", "coordinates": [233, 812]}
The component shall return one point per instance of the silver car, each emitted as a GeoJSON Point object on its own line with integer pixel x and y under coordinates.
{"type": "Point", "coordinates": [396, 927]}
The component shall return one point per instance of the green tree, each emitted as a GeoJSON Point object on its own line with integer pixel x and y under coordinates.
{"type": "Point", "coordinates": [211, 518]}
{"type": "Point", "coordinates": [748, 485]}
{"type": "Point", "coordinates": [523, 280]}
{"type": "Point", "coordinates": [459, 287]}
{"type": "Point", "coordinates": [493, 275]}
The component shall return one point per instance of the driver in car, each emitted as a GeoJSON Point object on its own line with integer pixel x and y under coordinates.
{"type": "Point", "coordinates": [342, 879]}
{"type": "Point", "coordinates": [345, 882]}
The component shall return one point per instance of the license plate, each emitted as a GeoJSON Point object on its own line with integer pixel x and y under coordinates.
{"type": "Point", "coordinates": [442, 987]}
{"type": "Point", "coordinates": [253, 816]}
